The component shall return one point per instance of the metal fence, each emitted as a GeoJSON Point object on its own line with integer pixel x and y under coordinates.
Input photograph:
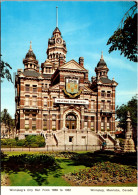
{"type": "Point", "coordinates": [63, 148]}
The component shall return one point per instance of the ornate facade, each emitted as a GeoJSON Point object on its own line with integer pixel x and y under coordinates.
{"type": "Point", "coordinates": [59, 102]}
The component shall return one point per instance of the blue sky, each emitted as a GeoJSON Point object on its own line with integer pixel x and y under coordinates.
{"type": "Point", "coordinates": [85, 26]}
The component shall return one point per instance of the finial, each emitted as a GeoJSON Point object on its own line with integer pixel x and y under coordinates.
{"type": "Point", "coordinates": [102, 55]}
{"type": "Point", "coordinates": [30, 46]}
{"type": "Point", "coordinates": [57, 17]}
{"type": "Point", "coordinates": [113, 79]}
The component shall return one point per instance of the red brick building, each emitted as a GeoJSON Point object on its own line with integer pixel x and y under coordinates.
{"type": "Point", "coordinates": [59, 102]}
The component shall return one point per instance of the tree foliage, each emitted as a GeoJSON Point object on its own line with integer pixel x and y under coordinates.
{"type": "Point", "coordinates": [7, 120]}
{"type": "Point", "coordinates": [121, 112]}
{"type": "Point", "coordinates": [125, 39]}
{"type": "Point", "coordinates": [4, 71]}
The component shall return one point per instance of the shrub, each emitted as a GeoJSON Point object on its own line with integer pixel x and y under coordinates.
{"type": "Point", "coordinates": [54, 129]}
{"type": "Point", "coordinates": [21, 142]}
{"type": "Point", "coordinates": [3, 142]}
{"type": "Point", "coordinates": [35, 139]}
{"type": "Point", "coordinates": [8, 142]}
{"type": "Point", "coordinates": [16, 138]}
{"type": "Point", "coordinates": [29, 141]}
{"type": "Point", "coordinates": [34, 145]}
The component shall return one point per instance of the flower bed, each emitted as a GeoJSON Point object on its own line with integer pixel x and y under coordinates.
{"type": "Point", "coordinates": [103, 173]}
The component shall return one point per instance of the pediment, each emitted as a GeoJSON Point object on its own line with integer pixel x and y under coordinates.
{"type": "Point", "coordinates": [86, 89]}
{"type": "Point", "coordinates": [55, 87]}
{"type": "Point", "coordinates": [72, 65]}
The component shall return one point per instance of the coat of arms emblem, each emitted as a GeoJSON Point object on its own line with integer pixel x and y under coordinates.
{"type": "Point", "coordinates": [72, 86]}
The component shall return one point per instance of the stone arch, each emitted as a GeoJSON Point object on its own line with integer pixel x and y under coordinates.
{"type": "Point", "coordinates": [71, 111]}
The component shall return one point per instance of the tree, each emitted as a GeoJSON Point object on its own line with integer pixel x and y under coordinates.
{"type": "Point", "coordinates": [125, 37]}
{"type": "Point", "coordinates": [7, 120]}
{"type": "Point", "coordinates": [4, 70]}
{"type": "Point", "coordinates": [121, 112]}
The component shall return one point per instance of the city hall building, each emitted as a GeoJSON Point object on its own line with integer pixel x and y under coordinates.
{"type": "Point", "coordinates": [59, 102]}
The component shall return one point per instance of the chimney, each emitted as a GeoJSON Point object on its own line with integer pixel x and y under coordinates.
{"type": "Point", "coordinates": [61, 60]}
{"type": "Point", "coordinates": [81, 61]}
{"type": "Point", "coordinates": [93, 79]}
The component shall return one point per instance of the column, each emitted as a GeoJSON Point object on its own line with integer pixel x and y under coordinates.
{"type": "Point", "coordinates": [98, 122]}
{"type": "Point", "coordinates": [89, 122]}
{"type": "Point", "coordinates": [61, 116]}
{"type": "Point", "coordinates": [22, 122]}
{"type": "Point", "coordinates": [105, 123]}
{"type": "Point", "coordinates": [82, 117]}
{"type": "Point", "coordinates": [98, 110]}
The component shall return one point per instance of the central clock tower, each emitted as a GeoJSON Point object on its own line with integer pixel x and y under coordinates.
{"type": "Point", "coordinates": [56, 47]}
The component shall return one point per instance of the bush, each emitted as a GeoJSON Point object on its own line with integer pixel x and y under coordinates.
{"type": "Point", "coordinates": [35, 139]}
{"type": "Point", "coordinates": [29, 141]}
{"type": "Point", "coordinates": [16, 138]}
{"type": "Point", "coordinates": [8, 142]}
{"type": "Point", "coordinates": [34, 145]}
{"type": "Point", "coordinates": [3, 142]}
{"type": "Point", "coordinates": [21, 142]}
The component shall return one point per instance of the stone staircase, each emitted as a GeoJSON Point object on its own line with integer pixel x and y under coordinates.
{"type": "Point", "coordinates": [57, 138]}
{"type": "Point", "coordinates": [110, 140]}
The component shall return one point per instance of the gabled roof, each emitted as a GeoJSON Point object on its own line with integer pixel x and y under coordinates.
{"type": "Point", "coordinates": [86, 89]}
{"type": "Point", "coordinates": [72, 65]}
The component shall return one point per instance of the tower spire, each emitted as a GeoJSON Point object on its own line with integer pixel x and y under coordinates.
{"type": "Point", "coordinates": [56, 16]}
{"type": "Point", "coordinates": [102, 55]}
{"type": "Point", "coordinates": [30, 49]}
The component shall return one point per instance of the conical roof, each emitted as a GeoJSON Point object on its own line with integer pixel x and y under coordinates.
{"type": "Point", "coordinates": [101, 63]}
{"type": "Point", "coordinates": [30, 53]}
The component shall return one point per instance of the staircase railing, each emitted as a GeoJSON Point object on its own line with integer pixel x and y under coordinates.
{"type": "Point", "coordinates": [55, 139]}
{"type": "Point", "coordinates": [111, 138]}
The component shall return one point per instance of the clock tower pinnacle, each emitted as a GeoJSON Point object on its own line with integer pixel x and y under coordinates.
{"type": "Point", "coordinates": [56, 46]}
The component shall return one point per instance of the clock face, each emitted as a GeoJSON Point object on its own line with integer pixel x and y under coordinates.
{"type": "Point", "coordinates": [58, 40]}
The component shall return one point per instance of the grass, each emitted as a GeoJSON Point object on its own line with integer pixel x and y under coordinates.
{"type": "Point", "coordinates": [54, 178]}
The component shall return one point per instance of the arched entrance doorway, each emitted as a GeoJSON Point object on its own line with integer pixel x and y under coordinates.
{"type": "Point", "coordinates": [71, 121]}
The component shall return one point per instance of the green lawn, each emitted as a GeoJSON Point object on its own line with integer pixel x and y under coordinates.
{"type": "Point", "coordinates": [54, 177]}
